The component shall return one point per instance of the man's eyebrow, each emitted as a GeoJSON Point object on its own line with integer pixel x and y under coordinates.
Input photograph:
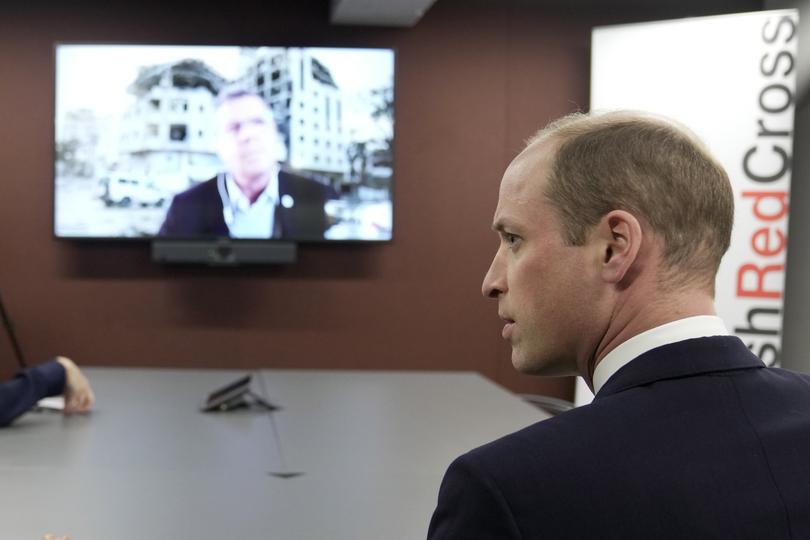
{"type": "Point", "coordinates": [501, 226]}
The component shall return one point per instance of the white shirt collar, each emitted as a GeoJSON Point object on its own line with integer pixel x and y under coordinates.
{"type": "Point", "coordinates": [688, 328]}
{"type": "Point", "coordinates": [243, 219]}
{"type": "Point", "coordinates": [239, 201]}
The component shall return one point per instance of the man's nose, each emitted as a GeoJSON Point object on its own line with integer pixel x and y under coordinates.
{"type": "Point", "coordinates": [494, 283]}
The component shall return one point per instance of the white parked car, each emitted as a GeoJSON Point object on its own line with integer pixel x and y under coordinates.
{"type": "Point", "coordinates": [128, 191]}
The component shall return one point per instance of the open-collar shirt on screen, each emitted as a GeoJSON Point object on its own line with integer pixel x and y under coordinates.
{"type": "Point", "coordinates": [246, 220]}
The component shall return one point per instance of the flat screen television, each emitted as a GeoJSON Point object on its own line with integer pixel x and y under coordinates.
{"type": "Point", "coordinates": [211, 142]}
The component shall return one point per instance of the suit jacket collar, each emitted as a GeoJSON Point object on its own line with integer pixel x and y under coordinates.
{"type": "Point", "coordinates": [284, 224]}
{"type": "Point", "coordinates": [283, 181]}
{"type": "Point", "coordinates": [682, 359]}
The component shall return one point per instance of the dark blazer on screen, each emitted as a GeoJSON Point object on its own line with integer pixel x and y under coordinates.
{"type": "Point", "coordinates": [692, 440]}
{"type": "Point", "coordinates": [197, 212]}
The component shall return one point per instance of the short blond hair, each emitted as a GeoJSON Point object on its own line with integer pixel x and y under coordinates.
{"type": "Point", "coordinates": [654, 169]}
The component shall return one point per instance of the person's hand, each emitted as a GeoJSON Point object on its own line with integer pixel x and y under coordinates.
{"type": "Point", "coordinates": [79, 396]}
{"type": "Point", "coordinates": [54, 537]}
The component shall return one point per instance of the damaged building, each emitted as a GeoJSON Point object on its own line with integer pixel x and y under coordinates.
{"type": "Point", "coordinates": [168, 134]}
{"type": "Point", "coordinates": [307, 105]}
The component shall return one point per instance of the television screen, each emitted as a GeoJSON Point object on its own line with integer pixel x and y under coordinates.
{"type": "Point", "coordinates": [223, 141]}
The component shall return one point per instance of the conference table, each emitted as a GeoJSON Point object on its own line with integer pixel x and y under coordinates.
{"type": "Point", "coordinates": [349, 455]}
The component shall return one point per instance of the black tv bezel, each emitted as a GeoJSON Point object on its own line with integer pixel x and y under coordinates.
{"type": "Point", "coordinates": [213, 239]}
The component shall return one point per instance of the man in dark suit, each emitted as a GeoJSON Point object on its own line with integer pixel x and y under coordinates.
{"type": "Point", "coordinates": [611, 230]}
{"type": "Point", "coordinates": [254, 198]}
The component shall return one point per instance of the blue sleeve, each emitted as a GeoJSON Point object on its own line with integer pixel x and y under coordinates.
{"type": "Point", "coordinates": [29, 386]}
{"type": "Point", "coordinates": [471, 507]}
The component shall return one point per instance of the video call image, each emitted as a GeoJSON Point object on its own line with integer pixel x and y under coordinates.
{"type": "Point", "coordinates": [141, 129]}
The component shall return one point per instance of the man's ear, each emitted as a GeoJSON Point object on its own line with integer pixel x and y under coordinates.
{"type": "Point", "coordinates": [619, 236]}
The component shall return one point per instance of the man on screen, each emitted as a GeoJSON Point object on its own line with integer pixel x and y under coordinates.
{"type": "Point", "coordinates": [612, 228]}
{"type": "Point", "coordinates": [253, 197]}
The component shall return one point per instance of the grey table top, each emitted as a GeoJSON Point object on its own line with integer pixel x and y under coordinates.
{"type": "Point", "coordinates": [146, 464]}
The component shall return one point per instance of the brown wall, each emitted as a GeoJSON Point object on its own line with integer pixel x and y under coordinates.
{"type": "Point", "coordinates": [474, 79]}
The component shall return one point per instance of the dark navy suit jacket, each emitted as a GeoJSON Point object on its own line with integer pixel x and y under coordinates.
{"type": "Point", "coordinates": [692, 440]}
{"type": "Point", "coordinates": [197, 212]}
{"type": "Point", "coordinates": [22, 392]}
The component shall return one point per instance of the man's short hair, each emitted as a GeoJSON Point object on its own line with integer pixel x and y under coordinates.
{"type": "Point", "coordinates": [652, 168]}
{"type": "Point", "coordinates": [234, 91]}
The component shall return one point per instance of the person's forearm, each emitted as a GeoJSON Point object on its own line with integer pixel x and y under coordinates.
{"type": "Point", "coordinates": [22, 392]}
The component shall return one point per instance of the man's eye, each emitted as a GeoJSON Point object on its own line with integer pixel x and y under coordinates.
{"type": "Point", "coordinates": [510, 239]}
